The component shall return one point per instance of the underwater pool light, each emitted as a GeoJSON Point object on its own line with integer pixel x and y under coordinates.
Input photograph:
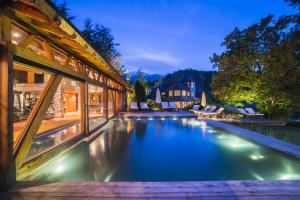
{"type": "Point", "coordinates": [289, 176]}
{"type": "Point", "coordinates": [212, 131]}
{"type": "Point", "coordinates": [59, 169]}
{"type": "Point", "coordinates": [256, 157]}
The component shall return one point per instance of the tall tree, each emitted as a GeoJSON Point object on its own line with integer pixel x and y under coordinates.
{"type": "Point", "coordinates": [65, 10]}
{"type": "Point", "coordinates": [261, 64]}
{"type": "Point", "coordinates": [139, 93]}
{"type": "Point", "coordinates": [103, 41]}
{"type": "Point", "coordinates": [294, 3]}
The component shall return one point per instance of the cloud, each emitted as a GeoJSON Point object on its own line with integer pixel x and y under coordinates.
{"type": "Point", "coordinates": [135, 53]}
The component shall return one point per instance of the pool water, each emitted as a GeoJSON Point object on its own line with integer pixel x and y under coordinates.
{"type": "Point", "coordinates": [289, 134]}
{"type": "Point", "coordinates": [170, 149]}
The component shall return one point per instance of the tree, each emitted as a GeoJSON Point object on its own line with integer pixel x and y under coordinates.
{"type": "Point", "coordinates": [294, 3]}
{"type": "Point", "coordinates": [65, 10]}
{"type": "Point", "coordinates": [102, 40]}
{"type": "Point", "coordinates": [139, 93]}
{"type": "Point", "coordinates": [261, 64]}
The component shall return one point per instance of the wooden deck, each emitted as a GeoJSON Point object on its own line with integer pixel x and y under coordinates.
{"type": "Point", "coordinates": [219, 190]}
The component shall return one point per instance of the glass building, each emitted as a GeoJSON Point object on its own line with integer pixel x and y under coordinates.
{"type": "Point", "coordinates": [55, 87]}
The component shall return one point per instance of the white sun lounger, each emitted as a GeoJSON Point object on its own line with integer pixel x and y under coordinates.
{"type": "Point", "coordinates": [206, 109]}
{"type": "Point", "coordinates": [247, 113]}
{"type": "Point", "coordinates": [195, 108]}
{"type": "Point", "coordinates": [165, 105]}
{"type": "Point", "coordinates": [144, 106]}
{"type": "Point", "coordinates": [214, 114]}
{"type": "Point", "coordinates": [172, 105]}
{"type": "Point", "coordinates": [133, 106]}
{"type": "Point", "coordinates": [251, 111]}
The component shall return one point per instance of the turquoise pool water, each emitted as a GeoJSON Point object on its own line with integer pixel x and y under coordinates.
{"type": "Point", "coordinates": [290, 134]}
{"type": "Point", "coordinates": [173, 149]}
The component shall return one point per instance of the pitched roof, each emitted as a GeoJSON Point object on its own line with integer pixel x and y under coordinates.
{"type": "Point", "coordinates": [187, 79]}
{"type": "Point", "coordinates": [178, 86]}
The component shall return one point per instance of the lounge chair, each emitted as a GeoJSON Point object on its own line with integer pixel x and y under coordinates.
{"type": "Point", "coordinates": [133, 106]}
{"type": "Point", "coordinates": [207, 108]}
{"type": "Point", "coordinates": [165, 105]}
{"type": "Point", "coordinates": [195, 108]}
{"type": "Point", "coordinates": [173, 105]}
{"type": "Point", "coordinates": [144, 106]}
{"type": "Point", "coordinates": [251, 111]}
{"type": "Point", "coordinates": [216, 113]}
{"type": "Point", "coordinates": [248, 114]}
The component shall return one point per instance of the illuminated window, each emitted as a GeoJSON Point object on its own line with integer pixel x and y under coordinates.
{"type": "Point", "coordinates": [177, 93]}
{"type": "Point", "coordinates": [184, 93]}
{"type": "Point", "coordinates": [28, 86]}
{"type": "Point", "coordinates": [62, 120]}
{"type": "Point", "coordinates": [188, 93]}
{"type": "Point", "coordinates": [170, 93]}
{"type": "Point", "coordinates": [96, 106]}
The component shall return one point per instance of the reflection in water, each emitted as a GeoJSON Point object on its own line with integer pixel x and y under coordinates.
{"type": "Point", "coordinates": [140, 127]}
{"type": "Point", "coordinates": [178, 153]}
{"type": "Point", "coordinates": [43, 142]}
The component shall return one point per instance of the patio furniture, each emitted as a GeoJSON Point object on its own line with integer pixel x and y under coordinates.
{"type": "Point", "coordinates": [246, 113]}
{"type": "Point", "coordinates": [133, 106]}
{"type": "Point", "coordinates": [173, 105]}
{"type": "Point", "coordinates": [208, 109]}
{"type": "Point", "coordinates": [251, 111]}
{"type": "Point", "coordinates": [195, 108]}
{"type": "Point", "coordinates": [216, 113]}
{"type": "Point", "coordinates": [144, 106]}
{"type": "Point", "coordinates": [165, 105]}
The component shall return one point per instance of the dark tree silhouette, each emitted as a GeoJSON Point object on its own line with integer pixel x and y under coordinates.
{"type": "Point", "coordinates": [139, 93]}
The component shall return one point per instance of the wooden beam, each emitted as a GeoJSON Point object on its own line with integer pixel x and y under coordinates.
{"type": "Point", "coordinates": [67, 62]}
{"type": "Point", "coordinates": [7, 166]}
{"type": "Point", "coordinates": [84, 107]}
{"type": "Point", "coordinates": [51, 29]}
{"type": "Point", "coordinates": [33, 12]}
{"type": "Point", "coordinates": [29, 55]}
{"type": "Point", "coordinates": [49, 53]}
{"type": "Point", "coordinates": [27, 41]}
{"type": "Point", "coordinates": [35, 119]}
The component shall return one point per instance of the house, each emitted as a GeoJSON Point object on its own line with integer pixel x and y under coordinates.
{"type": "Point", "coordinates": [182, 92]}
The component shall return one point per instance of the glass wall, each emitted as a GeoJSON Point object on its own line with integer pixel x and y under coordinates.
{"type": "Point", "coordinates": [28, 86]}
{"type": "Point", "coordinates": [96, 106]}
{"type": "Point", "coordinates": [63, 119]}
{"type": "Point", "coordinates": [111, 103]}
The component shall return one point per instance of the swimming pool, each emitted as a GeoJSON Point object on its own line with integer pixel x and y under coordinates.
{"type": "Point", "coordinates": [290, 134]}
{"type": "Point", "coordinates": [167, 149]}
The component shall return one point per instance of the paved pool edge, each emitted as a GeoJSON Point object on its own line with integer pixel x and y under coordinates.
{"type": "Point", "coordinates": [273, 143]}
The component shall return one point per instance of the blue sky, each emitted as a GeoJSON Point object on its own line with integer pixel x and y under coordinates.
{"type": "Point", "coordinates": [162, 36]}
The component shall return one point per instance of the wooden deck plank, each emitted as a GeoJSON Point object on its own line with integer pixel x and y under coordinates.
{"type": "Point", "coordinates": [156, 190]}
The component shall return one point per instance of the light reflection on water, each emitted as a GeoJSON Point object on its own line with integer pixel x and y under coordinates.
{"type": "Point", "coordinates": [169, 150]}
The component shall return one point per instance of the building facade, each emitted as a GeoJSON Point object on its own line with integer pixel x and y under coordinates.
{"type": "Point", "coordinates": [182, 92]}
{"type": "Point", "coordinates": [53, 83]}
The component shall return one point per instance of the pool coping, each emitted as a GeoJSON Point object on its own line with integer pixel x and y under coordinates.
{"type": "Point", "coordinates": [268, 141]}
